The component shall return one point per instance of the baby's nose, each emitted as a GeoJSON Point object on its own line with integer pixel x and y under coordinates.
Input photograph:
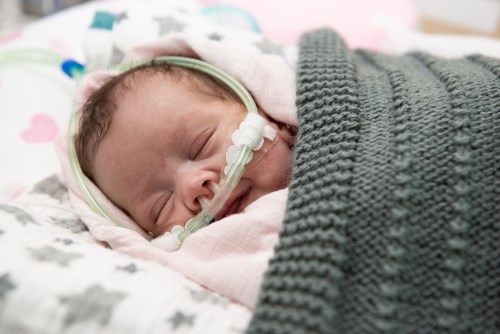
{"type": "Point", "coordinates": [205, 200]}
{"type": "Point", "coordinates": [194, 180]}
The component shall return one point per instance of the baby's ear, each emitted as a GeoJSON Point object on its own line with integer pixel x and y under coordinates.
{"type": "Point", "coordinates": [284, 131]}
{"type": "Point", "coordinates": [287, 133]}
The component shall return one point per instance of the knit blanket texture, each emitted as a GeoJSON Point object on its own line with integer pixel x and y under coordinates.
{"type": "Point", "coordinates": [393, 215]}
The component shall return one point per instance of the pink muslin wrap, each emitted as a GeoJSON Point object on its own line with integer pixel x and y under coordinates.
{"type": "Point", "coordinates": [229, 256]}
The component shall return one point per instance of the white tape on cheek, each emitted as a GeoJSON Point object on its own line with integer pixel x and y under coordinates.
{"type": "Point", "coordinates": [269, 132]}
{"type": "Point", "coordinates": [251, 133]}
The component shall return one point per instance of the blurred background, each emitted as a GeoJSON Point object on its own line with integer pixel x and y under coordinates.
{"type": "Point", "coordinates": [479, 17]}
{"type": "Point", "coordinates": [459, 16]}
{"type": "Point", "coordinates": [14, 14]}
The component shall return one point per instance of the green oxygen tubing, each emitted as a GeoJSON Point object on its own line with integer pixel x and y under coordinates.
{"type": "Point", "coordinates": [35, 56]}
{"type": "Point", "coordinates": [253, 129]}
{"type": "Point", "coordinates": [232, 177]}
{"type": "Point", "coordinates": [251, 133]}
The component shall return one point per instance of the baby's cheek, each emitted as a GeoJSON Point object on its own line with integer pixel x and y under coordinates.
{"type": "Point", "coordinates": [283, 164]}
{"type": "Point", "coordinates": [273, 170]}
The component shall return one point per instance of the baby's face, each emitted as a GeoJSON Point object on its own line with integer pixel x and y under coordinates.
{"type": "Point", "coordinates": [166, 149]}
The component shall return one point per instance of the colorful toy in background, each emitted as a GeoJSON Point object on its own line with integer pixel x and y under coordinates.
{"type": "Point", "coordinates": [285, 21]}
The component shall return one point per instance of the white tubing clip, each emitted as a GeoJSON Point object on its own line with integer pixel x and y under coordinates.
{"type": "Point", "coordinates": [251, 133]}
{"type": "Point", "coordinates": [169, 241]}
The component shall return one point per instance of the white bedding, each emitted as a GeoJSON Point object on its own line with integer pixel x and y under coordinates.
{"type": "Point", "coordinates": [54, 277]}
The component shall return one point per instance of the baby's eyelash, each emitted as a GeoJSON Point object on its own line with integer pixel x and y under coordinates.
{"type": "Point", "coordinates": [204, 141]}
{"type": "Point", "coordinates": [160, 206]}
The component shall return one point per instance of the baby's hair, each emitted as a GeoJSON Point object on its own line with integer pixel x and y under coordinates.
{"type": "Point", "coordinates": [97, 112]}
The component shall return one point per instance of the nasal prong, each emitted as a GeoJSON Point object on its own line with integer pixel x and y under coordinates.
{"type": "Point", "coordinates": [204, 202]}
{"type": "Point", "coordinates": [213, 186]}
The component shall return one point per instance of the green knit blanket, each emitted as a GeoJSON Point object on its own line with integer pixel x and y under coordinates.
{"type": "Point", "coordinates": [393, 216]}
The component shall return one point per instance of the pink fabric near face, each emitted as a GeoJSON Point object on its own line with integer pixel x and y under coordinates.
{"type": "Point", "coordinates": [231, 255]}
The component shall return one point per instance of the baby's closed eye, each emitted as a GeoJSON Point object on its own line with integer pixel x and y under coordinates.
{"type": "Point", "coordinates": [160, 205]}
{"type": "Point", "coordinates": [201, 144]}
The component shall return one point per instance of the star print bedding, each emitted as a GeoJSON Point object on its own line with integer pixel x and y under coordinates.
{"type": "Point", "coordinates": [56, 278]}
{"type": "Point", "coordinates": [68, 280]}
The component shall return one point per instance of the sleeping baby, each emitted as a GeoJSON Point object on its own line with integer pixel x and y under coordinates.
{"type": "Point", "coordinates": [154, 140]}
{"type": "Point", "coordinates": [153, 143]}
{"type": "Point", "coordinates": [378, 136]}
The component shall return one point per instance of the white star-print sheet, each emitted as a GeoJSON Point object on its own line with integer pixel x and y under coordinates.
{"type": "Point", "coordinates": [56, 278]}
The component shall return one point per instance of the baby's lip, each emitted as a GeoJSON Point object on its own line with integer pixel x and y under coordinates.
{"type": "Point", "coordinates": [235, 204]}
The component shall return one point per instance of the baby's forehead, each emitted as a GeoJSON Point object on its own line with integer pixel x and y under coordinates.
{"type": "Point", "coordinates": [137, 78]}
{"type": "Point", "coordinates": [146, 77]}
{"type": "Point", "coordinates": [201, 84]}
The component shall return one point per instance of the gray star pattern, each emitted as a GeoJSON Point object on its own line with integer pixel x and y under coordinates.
{"type": "Point", "coordinates": [65, 241]}
{"type": "Point", "coordinates": [169, 24]}
{"type": "Point", "coordinates": [74, 225]}
{"type": "Point", "coordinates": [117, 55]}
{"type": "Point", "coordinates": [51, 254]}
{"type": "Point", "coordinates": [180, 319]}
{"type": "Point", "coordinates": [131, 268]}
{"type": "Point", "coordinates": [215, 37]}
{"type": "Point", "coordinates": [207, 296]}
{"type": "Point", "coordinates": [268, 47]}
{"type": "Point", "coordinates": [6, 285]}
{"type": "Point", "coordinates": [181, 10]}
{"type": "Point", "coordinates": [21, 215]}
{"type": "Point", "coordinates": [94, 304]}
{"type": "Point", "coordinates": [52, 187]}
{"type": "Point", "coordinates": [122, 16]}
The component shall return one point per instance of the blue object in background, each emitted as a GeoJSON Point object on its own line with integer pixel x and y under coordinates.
{"type": "Point", "coordinates": [103, 20]}
{"type": "Point", "coordinates": [71, 67]}
{"type": "Point", "coordinates": [232, 15]}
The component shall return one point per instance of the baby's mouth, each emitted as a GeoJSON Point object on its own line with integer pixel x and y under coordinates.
{"type": "Point", "coordinates": [235, 204]}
